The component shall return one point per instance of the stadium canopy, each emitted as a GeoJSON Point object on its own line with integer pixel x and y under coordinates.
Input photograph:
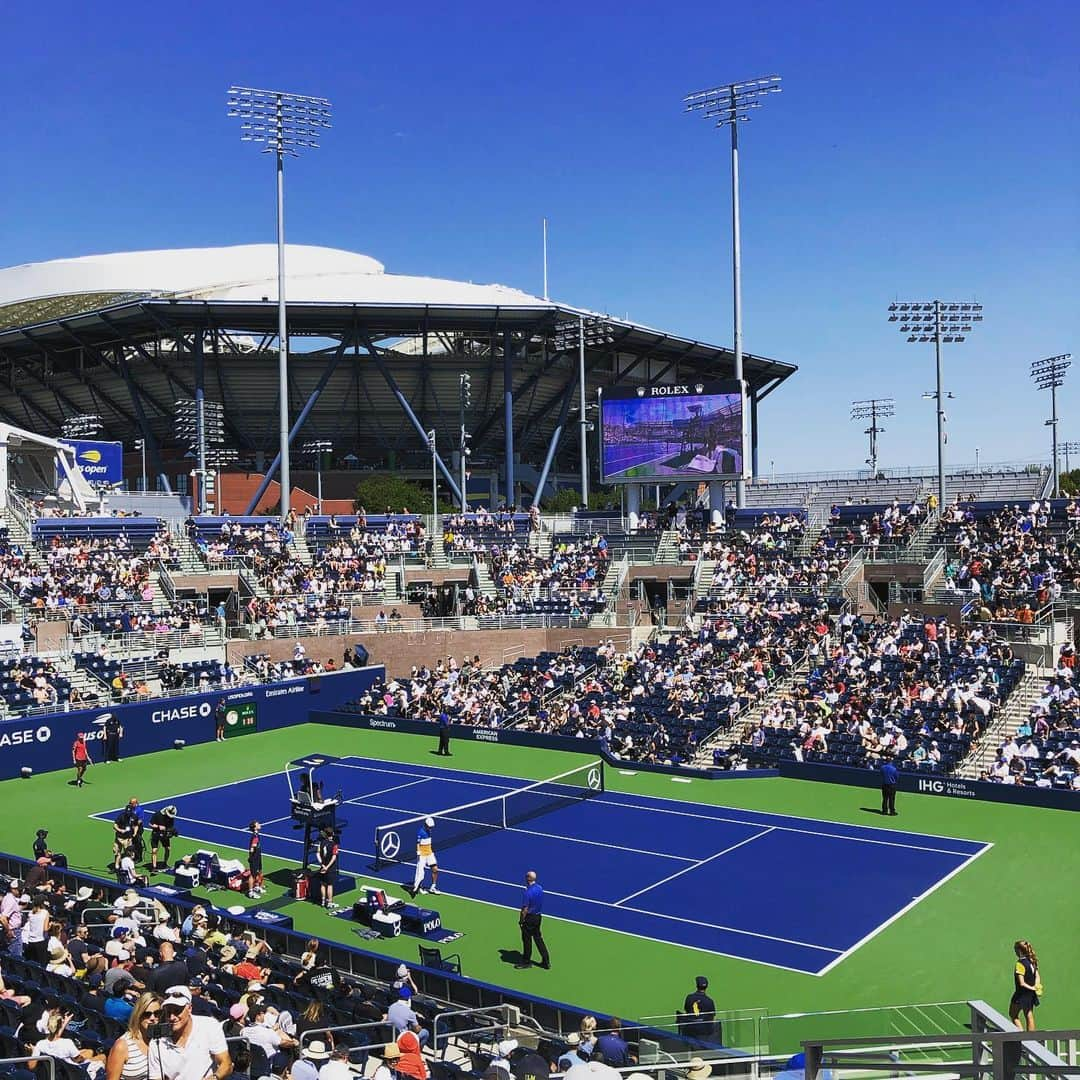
{"type": "Point", "coordinates": [375, 357]}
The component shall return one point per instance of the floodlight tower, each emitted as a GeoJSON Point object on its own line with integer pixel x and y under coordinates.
{"type": "Point", "coordinates": [873, 409]}
{"type": "Point", "coordinates": [1049, 374]}
{"type": "Point", "coordinates": [287, 124]}
{"type": "Point", "coordinates": [939, 321]}
{"type": "Point", "coordinates": [316, 448]}
{"type": "Point", "coordinates": [1068, 448]}
{"type": "Point", "coordinates": [730, 105]}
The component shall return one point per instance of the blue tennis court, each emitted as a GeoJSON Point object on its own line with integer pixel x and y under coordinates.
{"type": "Point", "coordinates": [789, 892]}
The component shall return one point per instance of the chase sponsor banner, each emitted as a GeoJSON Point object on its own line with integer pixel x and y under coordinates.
{"type": "Point", "coordinates": [43, 743]}
{"type": "Point", "coordinates": [99, 462]}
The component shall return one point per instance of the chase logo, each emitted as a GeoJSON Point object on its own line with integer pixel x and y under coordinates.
{"type": "Point", "coordinates": [92, 457]}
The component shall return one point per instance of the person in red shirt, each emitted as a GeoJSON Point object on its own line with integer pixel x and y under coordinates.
{"type": "Point", "coordinates": [80, 758]}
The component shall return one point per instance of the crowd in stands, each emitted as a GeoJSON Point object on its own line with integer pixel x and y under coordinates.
{"type": "Point", "coordinates": [1044, 750]}
{"type": "Point", "coordinates": [73, 572]}
{"type": "Point", "coordinates": [474, 532]}
{"type": "Point", "coordinates": [349, 566]}
{"type": "Point", "coordinates": [765, 564]}
{"type": "Point", "coordinates": [569, 579]}
{"type": "Point", "coordinates": [917, 692]}
{"type": "Point", "coordinates": [1011, 561]}
{"type": "Point", "coordinates": [893, 524]}
{"type": "Point", "coordinates": [655, 703]}
{"type": "Point", "coordinates": [468, 694]}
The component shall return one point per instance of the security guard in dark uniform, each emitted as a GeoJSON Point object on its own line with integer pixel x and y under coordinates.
{"type": "Point", "coordinates": [700, 1012]}
{"type": "Point", "coordinates": [112, 737]}
{"type": "Point", "coordinates": [41, 847]}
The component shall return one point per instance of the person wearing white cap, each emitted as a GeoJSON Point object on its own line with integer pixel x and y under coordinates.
{"type": "Point", "coordinates": [11, 919]}
{"type": "Point", "coordinates": [195, 1048]}
{"type": "Point", "coordinates": [403, 977]}
{"type": "Point", "coordinates": [425, 857]}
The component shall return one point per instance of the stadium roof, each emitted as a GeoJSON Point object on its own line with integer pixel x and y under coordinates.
{"type": "Point", "coordinates": [117, 335]}
{"type": "Point", "coordinates": [37, 292]}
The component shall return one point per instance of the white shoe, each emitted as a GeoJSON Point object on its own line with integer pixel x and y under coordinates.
{"type": "Point", "coordinates": [434, 890]}
{"type": "Point", "coordinates": [421, 890]}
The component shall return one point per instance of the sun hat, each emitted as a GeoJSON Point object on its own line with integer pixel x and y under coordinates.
{"type": "Point", "coordinates": [227, 953]}
{"type": "Point", "coordinates": [84, 893]}
{"type": "Point", "coordinates": [169, 811]}
{"type": "Point", "coordinates": [391, 1052]}
{"type": "Point", "coordinates": [573, 1039]}
{"type": "Point", "coordinates": [316, 1050]}
{"type": "Point", "coordinates": [698, 1070]}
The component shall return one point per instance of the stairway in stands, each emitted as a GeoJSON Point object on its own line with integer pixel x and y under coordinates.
{"type": "Point", "coordinates": [746, 721]}
{"type": "Point", "coordinates": [1017, 708]}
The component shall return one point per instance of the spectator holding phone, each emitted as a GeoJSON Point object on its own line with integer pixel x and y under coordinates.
{"type": "Point", "coordinates": [129, 1057]}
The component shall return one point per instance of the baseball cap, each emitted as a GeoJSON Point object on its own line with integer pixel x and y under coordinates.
{"type": "Point", "coordinates": [402, 971]}
{"type": "Point", "coordinates": [177, 995]}
{"type": "Point", "coordinates": [429, 822]}
{"type": "Point", "coordinates": [701, 982]}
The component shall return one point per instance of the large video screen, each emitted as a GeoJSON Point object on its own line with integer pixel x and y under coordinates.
{"type": "Point", "coordinates": [676, 432]}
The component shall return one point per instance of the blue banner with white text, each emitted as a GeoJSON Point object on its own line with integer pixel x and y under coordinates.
{"type": "Point", "coordinates": [43, 743]}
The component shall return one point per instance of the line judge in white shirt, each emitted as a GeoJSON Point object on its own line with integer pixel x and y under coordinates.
{"type": "Point", "coordinates": [196, 1049]}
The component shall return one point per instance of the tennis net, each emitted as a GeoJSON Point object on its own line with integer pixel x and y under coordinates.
{"type": "Point", "coordinates": [394, 843]}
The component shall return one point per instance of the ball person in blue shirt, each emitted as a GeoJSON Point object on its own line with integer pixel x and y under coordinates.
{"type": "Point", "coordinates": [425, 857]}
{"type": "Point", "coordinates": [532, 909]}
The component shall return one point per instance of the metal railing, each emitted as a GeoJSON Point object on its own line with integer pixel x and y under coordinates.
{"type": "Point", "coordinates": [933, 570]}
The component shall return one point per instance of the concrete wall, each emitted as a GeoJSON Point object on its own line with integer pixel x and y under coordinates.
{"type": "Point", "coordinates": [202, 582]}
{"type": "Point", "coordinates": [400, 652]}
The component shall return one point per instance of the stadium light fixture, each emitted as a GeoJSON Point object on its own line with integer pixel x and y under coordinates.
{"type": "Point", "coordinates": [1049, 374]}
{"type": "Point", "coordinates": [217, 457]}
{"type": "Point", "coordinates": [942, 322]}
{"type": "Point", "coordinates": [586, 331]}
{"type": "Point", "coordinates": [434, 478]}
{"type": "Point", "coordinates": [873, 409]}
{"type": "Point", "coordinates": [318, 447]}
{"type": "Point", "coordinates": [464, 404]}
{"type": "Point", "coordinates": [285, 124]}
{"type": "Point", "coordinates": [200, 422]}
{"type": "Point", "coordinates": [728, 106]}
{"type": "Point", "coordinates": [81, 426]}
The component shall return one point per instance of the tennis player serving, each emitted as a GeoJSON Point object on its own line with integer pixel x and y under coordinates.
{"type": "Point", "coordinates": [425, 857]}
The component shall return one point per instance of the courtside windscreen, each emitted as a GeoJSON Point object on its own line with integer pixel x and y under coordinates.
{"type": "Point", "coordinates": [677, 432]}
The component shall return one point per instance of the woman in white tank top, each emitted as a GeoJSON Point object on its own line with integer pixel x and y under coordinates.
{"type": "Point", "coordinates": [128, 1058]}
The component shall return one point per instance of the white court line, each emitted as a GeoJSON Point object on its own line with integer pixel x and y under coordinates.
{"type": "Point", "coordinates": [790, 828]}
{"type": "Point", "coordinates": [612, 798]}
{"type": "Point", "coordinates": [360, 798]}
{"type": "Point", "coordinates": [903, 911]}
{"type": "Point", "coordinates": [533, 832]}
{"type": "Point", "coordinates": [634, 801]}
{"type": "Point", "coordinates": [687, 869]}
{"type": "Point", "coordinates": [563, 896]}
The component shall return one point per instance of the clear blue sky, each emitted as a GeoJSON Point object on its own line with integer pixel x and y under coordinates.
{"type": "Point", "coordinates": [917, 150]}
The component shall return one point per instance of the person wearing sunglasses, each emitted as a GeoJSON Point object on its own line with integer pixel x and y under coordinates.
{"type": "Point", "coordinates": [129, 1054]}
{"type": "Point", "coordinates": [195, 1047]}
